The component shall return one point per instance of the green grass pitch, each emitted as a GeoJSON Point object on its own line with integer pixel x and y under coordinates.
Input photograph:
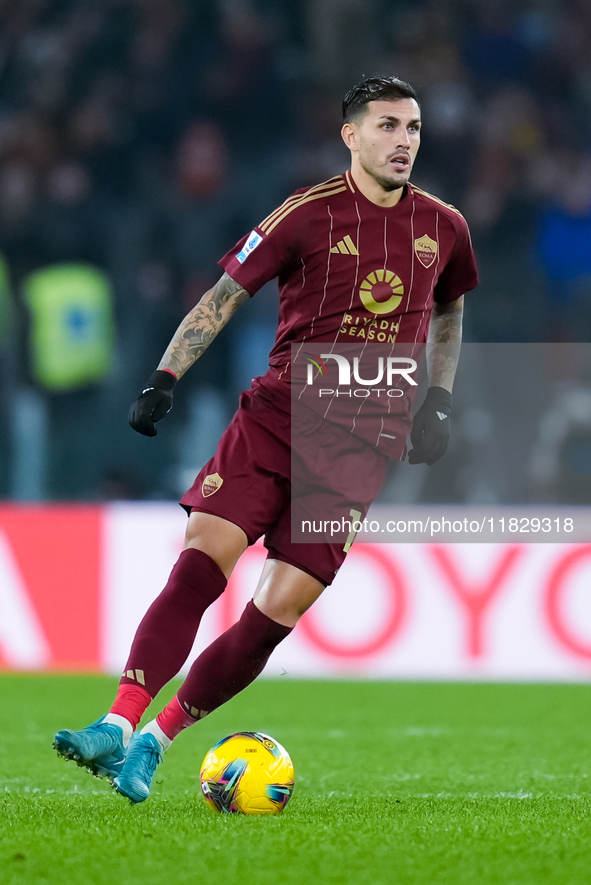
{"type": "Point", "coordinates": [442, 784]}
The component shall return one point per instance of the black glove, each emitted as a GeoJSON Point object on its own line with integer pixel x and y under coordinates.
{"type": "Point", "coordinates": [431, 428]}
{"type": "Point", "coordinates": [154, 402]}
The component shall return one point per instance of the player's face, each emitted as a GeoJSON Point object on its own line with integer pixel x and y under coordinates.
{"type": "Point", "coordinates": [386, 140]}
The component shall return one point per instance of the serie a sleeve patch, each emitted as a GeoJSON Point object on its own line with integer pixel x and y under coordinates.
{"type": "Point", "coordinates": [252, 242]}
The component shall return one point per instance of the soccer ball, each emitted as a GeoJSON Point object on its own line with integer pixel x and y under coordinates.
{"type": "Point", "coordinates": [247, 773]}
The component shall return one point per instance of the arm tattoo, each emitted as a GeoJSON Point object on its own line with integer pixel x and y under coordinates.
{"type": "Point", "coordinates": [443, 346]}
{"type": "Point", "coordinates": [202, 324]}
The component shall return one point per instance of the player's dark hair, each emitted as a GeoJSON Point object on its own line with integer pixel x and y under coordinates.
{"type": "Point", "coordinates": [375, 89]}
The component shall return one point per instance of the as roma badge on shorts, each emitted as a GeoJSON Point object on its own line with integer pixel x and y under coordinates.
{"type": "Point", "coordinates": [211, 484]}
{"type": "Point", "coordinates": [426, 250]}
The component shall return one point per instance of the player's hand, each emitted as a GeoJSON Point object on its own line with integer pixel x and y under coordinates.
{"type": "Point", "coordinates": [153, 403]}
{"type": "Point", "coordinates": [431, 428]}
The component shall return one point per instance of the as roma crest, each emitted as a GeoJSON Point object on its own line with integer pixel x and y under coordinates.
{"type": "Point", "coordinates": [426, 250]}
{"type": "Point", "coordinates": [211, 484]}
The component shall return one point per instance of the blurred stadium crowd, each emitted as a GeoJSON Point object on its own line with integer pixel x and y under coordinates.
{"type": "Point", "coordinates": [144, 137]}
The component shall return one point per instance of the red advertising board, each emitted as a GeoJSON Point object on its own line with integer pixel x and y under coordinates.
{"type": "Point", "coordinates": [50, 574]}
{"type": "Point", "coordinates": [76, 580]}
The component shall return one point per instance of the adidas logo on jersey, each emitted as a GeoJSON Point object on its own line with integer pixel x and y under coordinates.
{"type": "Point", "coordinates": [346, 247]}
{"type": "Point", "coordinates": [441, 415]}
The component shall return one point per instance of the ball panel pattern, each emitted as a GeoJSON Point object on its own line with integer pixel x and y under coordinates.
{"type": "Point", "coordinates": [247, 773]}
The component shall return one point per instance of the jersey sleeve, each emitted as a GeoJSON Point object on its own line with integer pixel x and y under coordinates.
{"type": "Point", "coordinates": [460, 274]}
{"type": "Point", "coordinates": [260, 257]}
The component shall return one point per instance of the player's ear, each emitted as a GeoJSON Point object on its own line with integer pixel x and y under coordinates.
{"type": "Point", "coordinates": [349, 135]}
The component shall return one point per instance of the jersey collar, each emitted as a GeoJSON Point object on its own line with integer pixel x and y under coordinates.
{"type": "Point", "coordinates": [404, 201]}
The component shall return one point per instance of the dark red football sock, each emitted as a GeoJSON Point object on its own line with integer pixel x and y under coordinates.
{"type": "Point", "coordinates": [173, 719]}
{"type": "Point", "coordinates": [230, 663]}
{"type": "Point", "coordinates": [165, 636]}
{"type": "Point", "coordinates": [131, 703]}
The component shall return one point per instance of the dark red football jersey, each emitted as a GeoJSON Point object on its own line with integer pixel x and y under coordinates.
{"type": "Point", "coordinates": [352, 272]}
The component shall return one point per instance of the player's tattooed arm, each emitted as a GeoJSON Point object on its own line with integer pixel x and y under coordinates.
{"type": "Point", "coordinates": [202, 324]}
{"type": "Point", "coordinates": [443, 346]}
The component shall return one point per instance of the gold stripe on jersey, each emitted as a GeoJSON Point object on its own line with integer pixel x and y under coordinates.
{"type": "Point", "coordinates": [436, 200]}
{"type": "Point", "coordinates": [304, 199]}
{"type": "Point", "coordinates": [296, 198]}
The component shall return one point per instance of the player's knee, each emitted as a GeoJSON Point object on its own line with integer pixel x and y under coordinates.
{"type": "Point", "coordinates": [220, 539]}
{"type": "Point", "coordinates": [282, 609]}
{"type": "Point", "coordinates": [299, 609]}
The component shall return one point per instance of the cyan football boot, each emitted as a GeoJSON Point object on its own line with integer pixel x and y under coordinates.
{"type": "Point", "coordinates": [98, 748]}
{"type": "Point", "coordinates": [144, 753]}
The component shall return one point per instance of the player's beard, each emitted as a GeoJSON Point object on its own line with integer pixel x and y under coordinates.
{"type": "Point", "coordinates": [387, 183]}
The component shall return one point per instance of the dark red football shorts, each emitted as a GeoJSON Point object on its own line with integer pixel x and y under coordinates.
{"type": "Point", "coordinates": [262, 484]}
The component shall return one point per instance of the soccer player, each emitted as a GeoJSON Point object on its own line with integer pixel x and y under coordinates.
{"type": "Point", "coordinates": [365, 257]}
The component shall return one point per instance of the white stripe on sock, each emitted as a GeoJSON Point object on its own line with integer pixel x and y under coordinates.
{"type": "Point", "coordinates": [123, 723]}
{"type": "Point", "coordinates": [153, 728]}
